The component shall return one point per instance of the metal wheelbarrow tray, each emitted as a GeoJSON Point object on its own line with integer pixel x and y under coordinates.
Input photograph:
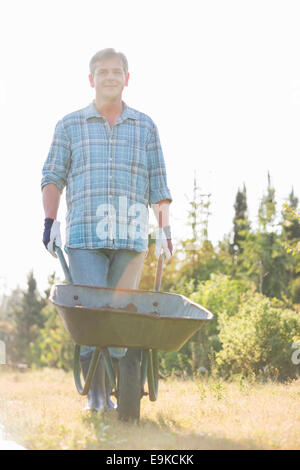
{"type": "Point", "coordinates": [103, 317]}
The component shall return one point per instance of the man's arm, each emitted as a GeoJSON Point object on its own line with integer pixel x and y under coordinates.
{"type": "Point", "coordinates": [51, 199]}
{"type": "Point", "coordinates": [162, 207]}
{"type": "Point", "coordinates": [159, 192]}
{"type": "Point", "coordinates": [55, 173]}
{"type": "Point", "coordinates": [161, 212]}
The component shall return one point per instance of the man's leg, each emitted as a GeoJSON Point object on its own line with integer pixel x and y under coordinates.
{"type": "Point", "coordinates": [90, 267]}
{"type": "Point", "coordinates": [126, 269]}
{"type": "Point", "coordinates": [125, 272]}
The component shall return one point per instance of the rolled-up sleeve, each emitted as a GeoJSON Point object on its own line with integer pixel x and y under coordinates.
{"type": "Point", "coordinates": [158, 187]}
{"type": "Point", "coordinates": [57, 164]}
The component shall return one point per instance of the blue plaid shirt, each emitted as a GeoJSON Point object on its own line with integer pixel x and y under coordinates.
{"type": "Point", "coordinates": [111, 176]}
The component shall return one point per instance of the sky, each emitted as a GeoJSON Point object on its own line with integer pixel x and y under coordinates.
{"type": "Point", "coordinates": [221, 79]}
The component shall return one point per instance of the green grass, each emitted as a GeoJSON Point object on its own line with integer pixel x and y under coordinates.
{"type": "Point", "coordinates": [41, 409]}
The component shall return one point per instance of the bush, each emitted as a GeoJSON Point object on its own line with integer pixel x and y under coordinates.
{"type": "Point", "coordinates": [53, 346]}
{"type": "Point", "coordinates": [220, 295]}
{"type": "Point", "coordinates": [258, 340]}
{"type": "Point", "coordinates": [295, 290]}
{"type": "Point", "coordinates": [174, 363]}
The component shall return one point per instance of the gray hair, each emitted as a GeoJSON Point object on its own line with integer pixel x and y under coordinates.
{"type": "Point", "coordinates": [108, 54]}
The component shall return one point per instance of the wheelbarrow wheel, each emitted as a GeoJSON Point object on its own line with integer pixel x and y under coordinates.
{"type": "Point", "coordinates": [129, 386]}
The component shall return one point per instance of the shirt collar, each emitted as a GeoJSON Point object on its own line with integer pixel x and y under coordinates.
{"type": "Point", "coordinates": [128, 113]}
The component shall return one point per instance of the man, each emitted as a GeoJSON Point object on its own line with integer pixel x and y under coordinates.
{"type": "Point", "coordinates": [110, 160]}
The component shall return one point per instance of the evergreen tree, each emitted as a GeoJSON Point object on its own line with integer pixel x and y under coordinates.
{"type": "Point", "coordinates": [198, 254]}
{"type": "Point", "coordinates": [53, 346]}
{"type": "Point", "coordinates": [264, 257]}
{"type": "Point", "coordinates": [198, 214]}
{"type": "Point", "coordinates": [267, 209]}
{"type": "Point", "coordinates": [28, 321]}
{"type": "Point", "coordinates": [241, 225]}
{"type": "Point", "coordinates": [291, 241]}
{"type": "Point", "coordinates": [290, 221]}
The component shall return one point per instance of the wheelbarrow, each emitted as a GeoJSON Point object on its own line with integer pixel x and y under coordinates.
{"type": "Point", "coordinates": [146, 321]}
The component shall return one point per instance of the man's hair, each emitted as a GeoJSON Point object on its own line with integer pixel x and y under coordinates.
{"type": "Point", "coordinates": [108, 54]}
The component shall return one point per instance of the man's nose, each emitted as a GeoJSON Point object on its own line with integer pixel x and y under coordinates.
{"type": "Point", "coordinates": [110, 75]}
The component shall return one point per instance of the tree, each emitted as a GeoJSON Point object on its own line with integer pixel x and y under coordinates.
{"type": "Point", "coordinates": [241, 225]}
{"type": "Point", "coordinates": [197, 258]}
{"type": "Point", "coordinates": [28, 321]}
{"type": "Point", "coordinates": [199, 212]}
{"type": "Point", "coordinates": [290, 221]}
{"type": "Point", "coordinates": [267, 209]}
{"type": "Point", "coordinates": [263, 257]}
{"type": "Point", "coordinates": [291, 240]}
{"type": "Point", "coordinates": [53, 346]}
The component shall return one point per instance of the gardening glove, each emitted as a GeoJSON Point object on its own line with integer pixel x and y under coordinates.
{"type": "Point", "coordinates": [164, 242]}
{"type": "Point", "coordinates": [51, 235]}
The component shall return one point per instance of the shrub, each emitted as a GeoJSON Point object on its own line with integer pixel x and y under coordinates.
{"type": "Point", "coordinates": [220, 295]}
{"type": "Point", "coordinates": [258, 339]}
{"type": "Point", "coordinates": [53, 346]}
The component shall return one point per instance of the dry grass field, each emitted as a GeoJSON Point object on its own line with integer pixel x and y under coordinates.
{"type": "Point", "coordinates": [42, 410]}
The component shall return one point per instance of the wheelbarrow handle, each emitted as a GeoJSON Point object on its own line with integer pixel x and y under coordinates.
{"type": "Point", "coordinates": [159, 270]}
{"type": "Point", "coordinates": [63, 263]}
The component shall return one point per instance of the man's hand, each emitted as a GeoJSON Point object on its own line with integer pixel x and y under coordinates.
{"type": "Point", "coordinates": [51, 235]}
{"type": "Point", "coordinates": [164, 242]}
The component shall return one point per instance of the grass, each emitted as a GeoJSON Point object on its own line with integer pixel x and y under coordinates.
{"type": "Point", "coordinates": [41, 409]}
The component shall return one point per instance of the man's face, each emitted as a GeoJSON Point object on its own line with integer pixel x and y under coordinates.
{"type": "Point", "coordinates": [109, 79]}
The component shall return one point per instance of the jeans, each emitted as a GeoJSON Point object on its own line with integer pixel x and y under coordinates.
{"type": "Point", "coordinates": [106, 268]}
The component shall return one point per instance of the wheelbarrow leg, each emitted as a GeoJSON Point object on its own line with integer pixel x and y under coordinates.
{"type": "Point", "coordinates": [93, 370]}
{"type": "Point", "coordinates": [110, 405]}
{"type": "Point", "coordinates": [152, 373]}
{"type": "Point", "coordinates": [110, 378]}
{"type": "Point", "coordinates": [97, 392]}
{"type": "Point", "coordinates": [130, 386]}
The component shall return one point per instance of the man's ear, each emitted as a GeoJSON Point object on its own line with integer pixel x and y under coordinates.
{"type": "Point", "coordinates": [91, 79]}
{"type": "Point", "coordinates": [126, 80]}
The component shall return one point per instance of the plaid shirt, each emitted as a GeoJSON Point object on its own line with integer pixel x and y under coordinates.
{"type": "Point", "coordinates": [111, 176]}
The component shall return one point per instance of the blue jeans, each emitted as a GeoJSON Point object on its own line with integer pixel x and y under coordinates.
{"type": "Point", "coordinates": [106, 268]}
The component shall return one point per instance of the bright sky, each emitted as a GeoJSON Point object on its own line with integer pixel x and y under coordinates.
{"type": "Point", "coordinates": [221, 79]}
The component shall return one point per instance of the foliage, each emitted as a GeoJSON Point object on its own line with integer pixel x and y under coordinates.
{"type": "Point", "coordinates": [258, 339]}
{"type": "Point", "coordinates": [264, 261]}
{"type": "Point", "coordinates": [27, 320]}
{"type": "Point", "coordinates": [241, 225]}
{"type": "Point", "coordinates": [267, 209]}
{"type": "Point", "coordinates": [53, 346]}
{"type": "Point", "coordinates": [291, 228]}
{"type": "Point", "coordinates": [221, 296]}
